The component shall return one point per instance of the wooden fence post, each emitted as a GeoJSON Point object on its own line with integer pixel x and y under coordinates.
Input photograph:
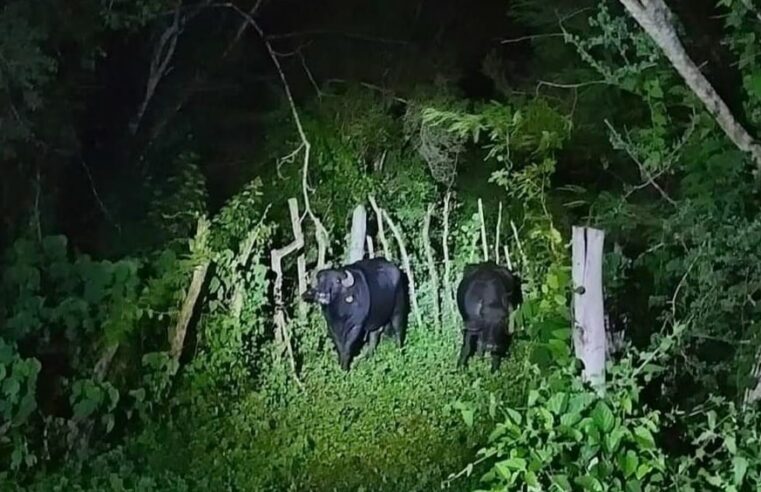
{"type": "Point", "coordinates": [589, 338]}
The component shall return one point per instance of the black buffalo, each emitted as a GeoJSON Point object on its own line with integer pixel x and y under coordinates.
{"type": "Point", "coordinates": [360, 300]}
{"type": "Point", "coordinates": [486, 296]}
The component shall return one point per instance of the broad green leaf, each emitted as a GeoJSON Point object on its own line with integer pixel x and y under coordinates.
{"type": "Point", "coordinates": [515, 464]}
{"type": "Point", "coordinates": [588, 482]}
{"type": "Point", "coordinates": [730, 444]}
{"type": "Point", "coordinates": [603, 417]}
{"type": "Point", "coordinates": [533, 396]}
{"type": "Point", "coordinates": [562, 482]}
{"type": "Point", "coordinates": [514, 416]}
{"type": "Point", "coordinates": [556, 404]}
{"type": "Point", "coordinates": [633, 486]}
{"type": "Point", "coordinates": [644, 437]}
{"type": "Point", "coordinates": [740, 466]}
{"type": "Point", "coordinates": [628, 463]}
{"type": "Point", "coordinates": [642, 470]}
{"type": "Point", "coordinates": [613, 440]}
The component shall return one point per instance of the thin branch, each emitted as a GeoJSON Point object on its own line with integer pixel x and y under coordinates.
{"type": "Point", "coordinates": [309, 75]}
{"type": "Point", "coordinates": [381, 230]}
{"type": "Point", "coordinates": [524, 259]}
{"type": "Point", "coordinates": [96, 195]}
{"type": "Point", "coordinates": [321, 234]}
{"type": "Point", "coordinates": [484, 244]}
{"type": "Point", "coordinates": [497, 234]}
{"type": "Point", "coordinates": [532, 37]}
{"type": "Point", "coordinates": [649, 179]}
{"type": "Point", "coordinates": [324, 32]}
{"type": "Point", "coordinates": [162, 55]}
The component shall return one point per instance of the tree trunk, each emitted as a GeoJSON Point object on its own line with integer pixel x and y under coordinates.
{"type": "Point", "coordinates": [589, 338]}
{"type": "Point", "coordinates": [656, 19]}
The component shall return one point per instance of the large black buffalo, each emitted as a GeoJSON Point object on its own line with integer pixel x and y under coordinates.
{"type": "Point", "coordinates": [486, 296]}
{"type": "Point", "coordinates": [360, 300]}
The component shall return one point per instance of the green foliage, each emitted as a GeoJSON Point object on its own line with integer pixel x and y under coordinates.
{"type": "Point", "coordinates": [76, 309]}
{"type": "Point", "coordinates": [178, 203]}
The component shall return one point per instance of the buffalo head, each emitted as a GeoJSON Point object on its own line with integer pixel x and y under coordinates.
{"type": "Point", "coordinates": [329, 284]}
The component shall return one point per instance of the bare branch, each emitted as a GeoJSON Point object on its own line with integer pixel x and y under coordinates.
{"type": "Point", "coordinates": [321, 234]}
{"type": "Point", "coordinates": [162, 55]}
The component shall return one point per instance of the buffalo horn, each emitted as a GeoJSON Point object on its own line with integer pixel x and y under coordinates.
{"type": "Point", "coordinates": [349, 280]}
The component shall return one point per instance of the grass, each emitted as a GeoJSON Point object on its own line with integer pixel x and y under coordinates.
{"type": "Point", "coordinates": [399, 421]}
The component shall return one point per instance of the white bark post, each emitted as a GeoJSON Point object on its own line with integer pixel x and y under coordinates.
{"type": "Point", "coordinates": [589, 338]}
{"type": "Point", "coordinates": [356, 250]}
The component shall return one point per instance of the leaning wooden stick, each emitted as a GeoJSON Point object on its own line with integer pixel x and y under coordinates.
{"type": "Point", "coordinates": [448, 291]}
{"type": "Point", "coordinates": [282, 335]}
{"type": "Point", "coordinates": [497, 234]}
{"type": "Point", "coordinates": [524, 260]}
{"type": "Point", "coordinates": [381, 231]}
{"type": "Point", "coordinates": [507, 257]}
{"type": "Point", "coordinates": [484, 244]}
{"type": "Point", "coordinates": [432, 273]}
{"type": "Point", "coordinates": [177, 334]}
{"type": "Point", "coordinates": [407, 267]}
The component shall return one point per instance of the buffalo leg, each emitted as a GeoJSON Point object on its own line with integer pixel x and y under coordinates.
{"type": "Point", "coordinates": [374, 337]}
{"type": "Point", "coordinates": [468, 340]}
{"type": "Point", "coordinates": [346, 350]}
{"type": "Point", "coordinates": [496, 360]}
{"type": "Point", "coordinates": [399, 317]}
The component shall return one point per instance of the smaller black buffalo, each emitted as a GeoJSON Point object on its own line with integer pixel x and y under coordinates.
{"type": "Point", "coordinates": [358, 301]}
{"type": "Point", "coordinates": [486, 296]}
